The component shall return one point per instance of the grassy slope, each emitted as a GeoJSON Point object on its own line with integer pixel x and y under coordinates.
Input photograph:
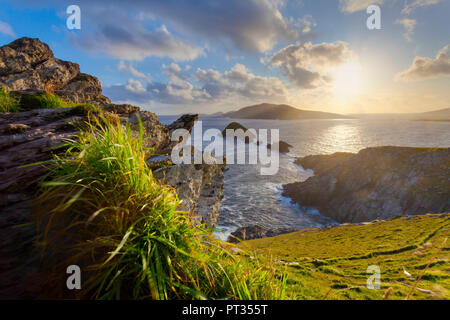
{"type": "Point", "coordinates": [332, 263]}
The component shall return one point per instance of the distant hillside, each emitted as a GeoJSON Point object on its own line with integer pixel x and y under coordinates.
{"type": "Point", "coordinates": [445, 111]}
{"type": "Point", "coordinates": [442, 114]}
{"type": "Point", "coordinates": [280, 112]}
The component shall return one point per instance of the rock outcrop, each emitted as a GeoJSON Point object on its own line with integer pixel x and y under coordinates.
{"type": "Point", "coordinates": [256, 232]}
{"type": "Point", "coordinates": [28, 63]}
{"type": "Point", "coordinates": [249, 136]}
{"type": "Point", "coordinates": [376, 183]}
{"type": "Point", "coordinates": [28, 67]}
{"type": "Point", "coordinates": [321, 163]}
{"type": "Point", "coordinates": [199, 186]}
{"type": "Point", "coordinates": [283, 147]}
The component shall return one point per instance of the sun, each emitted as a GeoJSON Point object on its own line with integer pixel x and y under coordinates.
{"type": "Point", "coordinates": [347, 80]}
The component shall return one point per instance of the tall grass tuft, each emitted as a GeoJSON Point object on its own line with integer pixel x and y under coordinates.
{"type": "Point", "coordinates": [46, 100]}
{"type": "Point", "coordinates": [8, 103]}
{"type": "Point", "coordinates": [102, 209]}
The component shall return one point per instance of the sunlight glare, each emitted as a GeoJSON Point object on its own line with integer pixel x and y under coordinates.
{"type": "Point", "coordinates": [348, 80]}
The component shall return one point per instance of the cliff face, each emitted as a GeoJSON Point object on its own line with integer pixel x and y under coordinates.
{"type": "Point", "coordinates": [376, 183]}
{"type": "Point", "coordinates": [27, 68]}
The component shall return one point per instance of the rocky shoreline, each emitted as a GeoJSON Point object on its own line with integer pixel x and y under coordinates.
{"type": "Point", "coordinates": [28, 68]}
{"type": "Point", "coordinates": [375, 183]}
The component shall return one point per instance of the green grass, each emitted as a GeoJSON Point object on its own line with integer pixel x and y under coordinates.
{"type": "Point", "coordinates": [332, 263]}
{"type": "Point", "coordinates": [45, 100]}
{"type": "Point", "coordinates": [7, 102]}
{"type": "Point", "coordinates": [101, 209]}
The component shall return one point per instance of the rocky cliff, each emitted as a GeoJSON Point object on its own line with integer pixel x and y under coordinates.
{"type": "Point", "coordinates": [380, 182]}
{"type": "Point", "coordinates": [28, 68]}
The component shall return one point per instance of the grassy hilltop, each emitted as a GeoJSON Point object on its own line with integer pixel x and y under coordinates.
{"type": "Point", "coordinates": [332, 263]}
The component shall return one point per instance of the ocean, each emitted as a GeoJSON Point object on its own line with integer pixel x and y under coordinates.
{"type": "Point", "coordinates": [254, 199]}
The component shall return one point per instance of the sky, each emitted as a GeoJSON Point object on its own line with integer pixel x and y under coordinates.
{"type": "Point", "coordinates": [208, 56]}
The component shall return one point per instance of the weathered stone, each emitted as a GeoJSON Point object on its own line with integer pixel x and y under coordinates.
{"type": "Point", "coordinates": [199, 186]}
{"type": "Point", "coordinates": [283, 146]}
{"type": "Point", "coordinates": [250, 137]}
{"type": "Point", "coordinates": [29, 64]}
{"type": "Point", "coordinates": [83, 88]}
{"type": "Point", "coordinates": [322, 163]}
{"type": "Point", "coordinates": [256, 232]}
{"type": "Point", "coordinates": [380, 182]}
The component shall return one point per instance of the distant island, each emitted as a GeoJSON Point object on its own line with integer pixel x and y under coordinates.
{"type": "Point", "coordinates": [437, 115]}
{"type": "Point", "coordinates": [280, 112]}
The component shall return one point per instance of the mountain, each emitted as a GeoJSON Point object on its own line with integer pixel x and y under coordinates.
{"type": "Point", "coordinates": [436, 115]}
{"type": "Point", "coordinates": [445, 112]}
{"type": "Point", "coordinates": [442, 114]}
{"type": "Point", "coordinates": [280, 112]}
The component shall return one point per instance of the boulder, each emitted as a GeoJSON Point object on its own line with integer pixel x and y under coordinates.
{"type": "Point", "coordinates": [29, 64]}
{"type": "Point", "coordinates": [83, 88]}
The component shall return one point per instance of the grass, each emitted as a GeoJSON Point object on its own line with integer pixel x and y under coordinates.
{"type": "Point", "coordinates": [102, 209]}
{"type": "Point", "coordinates": [45, 100]}
{"type": "Point", "coordinates": [8, 103]}
{"type": "Point", "coordinates": [332, 263]}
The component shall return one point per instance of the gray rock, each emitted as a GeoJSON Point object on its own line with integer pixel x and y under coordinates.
{"type": "Point", "coordinates": [199, 186]}
{"type": "Point", "coordinates": [29, 64]}
{"type": "Point", "coordinates": [283, 146]}
{"type": "Point", "coordinates": [250, 137]}
{"type": "Point", "coordinates": [376, 183]}
{"type": "Point", "coordinates": [256, 232]}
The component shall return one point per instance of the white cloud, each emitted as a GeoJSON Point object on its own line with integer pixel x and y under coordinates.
{"type": "Point", "coordinates": [350, 6]}
{"type": "Point", "coordinates": [129, 69]}
{"type": "Point", "coordinates": [307, 65]}
{"type": "Point", "coordinates": [206, 86]}
{"type": "Point", "coordinates": [131, 41]}
{"type": "Point", "coordinates": [250, 25]}
{"type": "Point", "coordinates": [135, 86]}
{"type": "Point", "coordinates": [412, 5]}
{"type": "Point", "coordinates": [6, 29]}
{"type": "Point", "coordinates": [426, 68]}
{"type": "Point", "coordinates": [409, 25]}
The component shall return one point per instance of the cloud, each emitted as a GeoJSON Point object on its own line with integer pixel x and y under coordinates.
{"type": "Point", "coordinates": [409, 25]}
{"type": "Point", "coordinates": [426, 68]}
{"type": "Point", "coordinates": [307, 65]}
{"type": "Point", "coordinates": [412, 5]}
{"type": "Point", "coordinates": [130, 41]}
{"type": "Point", "coordinates": [239, 81]}
{"type": "Point", "coordinates": [350, 6]}
{"type": "Point", "coordinates": [129, 69]}
{"type": "Point", "coordinates": [305, 26]}
{"type": "Point", "coordinates": [204, 86]}
{"type": "Point", "coordinates": [6, 29]}
{"type": "Point", "coordinates": [135, 86]}
{"type": "Point", "coordinates": [251, 25]}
